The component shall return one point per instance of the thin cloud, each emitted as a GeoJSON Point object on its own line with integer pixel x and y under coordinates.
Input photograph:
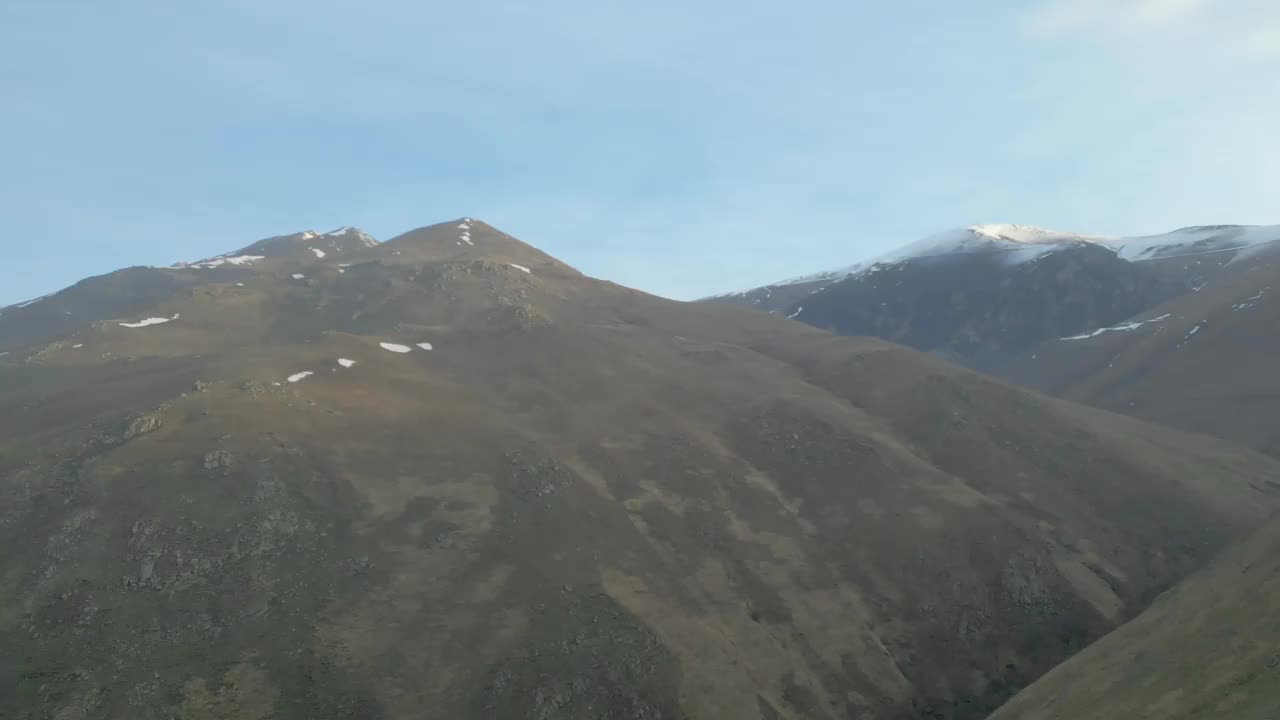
{"type": "Point", "coordinates": [1109, 16]}
{"type": "Point", "coordinates": [1230, 30]}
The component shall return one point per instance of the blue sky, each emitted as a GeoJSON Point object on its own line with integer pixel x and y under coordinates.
{"type": "Point", "coordinates": [681, 148]}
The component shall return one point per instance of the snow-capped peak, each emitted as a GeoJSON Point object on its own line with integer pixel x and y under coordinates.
{"type": "Point", "coordinates": [1013, 243]}
{"type": "Point", "coordinates": [347, 230]}
{"type": "Point", "coordinates": [1016, 244]}
{"type": "Point", "coordinates": [991, 238]}
{"type": "Point", "coordinates": [1031, 235]}
{"type": "Point", "coordinates": [1197, 240]}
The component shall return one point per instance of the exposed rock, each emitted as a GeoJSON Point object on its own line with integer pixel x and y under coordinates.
{"type": "Point", "coordinates": [217, 460]}
{"type": "Point", "coordinates": [141, 426]}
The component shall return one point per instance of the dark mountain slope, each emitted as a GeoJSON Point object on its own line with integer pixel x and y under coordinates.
{"type": "Point", "coordinates": [582, 501]}
{"type": "Point", "coordinates": [979, 310]}
{"type": "Point", "coordinates": [981, 295]}
{"type": "Point", "coordinates": [1209, 648]}
{"type": "Point", "coordinates": [1205, 362]}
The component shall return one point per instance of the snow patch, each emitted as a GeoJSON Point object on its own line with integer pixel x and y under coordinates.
{"type": "Point", "coordinates": [346, 363]}
{"type": "Point", "coordinates": [298, 276]}
{"type": "Point", "coordinates": [521, 268]}
{"type": "Point", "coordinates": [77, 347]}
{"type": "Point", "coordinates": [319, 253]}
{"type": "Point", "coordinates": [1204, 240]}
{"type": "Point", "coordinates": [1189, 335]}
{"type": "Point", "coordinates": [426, 346]}
{"type": "Point", "coordinates": [347, 230]}
{"type": "Point", "coordinates": [1122, 327]}
{"type": "Point", "coordinates": [220, 261]}
{"type": "Point", "coordinates": [149, 321]}
{"type": "Point", "coordinates": [1250, 302]}
{"type": "Point", "coordinates": [797, 312]}
{"type": "Point", "coordinates": [297, 377]}
{"type": "Point", "coordinates": [29, 303]}
{"type": "Point", "coordinates": [396, 348]}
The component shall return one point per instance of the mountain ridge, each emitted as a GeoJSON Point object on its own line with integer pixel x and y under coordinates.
{"type": "Point", "coordinates": [982, 295]}
{"type": "Point", "coordinates": [1014, 238]}
{"type": "Point", "coordinates": [529, 491]}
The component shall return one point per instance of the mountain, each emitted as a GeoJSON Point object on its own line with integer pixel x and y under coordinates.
{"type": "Point", "coordinates": [1208, 648]}
{"type": "Point", "coordinates": [134, 289]}
{"type": "Point", "coordinates": [1205, 361]}
{"type": "Point", "coordinates": [982, 295]}
{"type": "Point", "coordinates": [449, 476]}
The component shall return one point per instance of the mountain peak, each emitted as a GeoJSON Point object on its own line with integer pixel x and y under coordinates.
{"type": "Point", "coordinates": [308, 244]}
{"type": "Point", "coordinates": [466, 238]}
{"type": "Point", "coordinates": [348, 231]}
{"type": "Point", "coordinates": [1029, 234]}
{"type": "Point", "coordinates": [989, 238]}
{"type": "Point", "coordinates": [1016, 243]}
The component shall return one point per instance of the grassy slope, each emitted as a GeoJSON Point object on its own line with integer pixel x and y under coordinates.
{"type": "Point", "coordinates": [1209, 648]}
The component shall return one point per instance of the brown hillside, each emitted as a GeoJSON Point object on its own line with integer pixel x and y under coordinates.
{"type": "Point", "coordinates": [582, 501]}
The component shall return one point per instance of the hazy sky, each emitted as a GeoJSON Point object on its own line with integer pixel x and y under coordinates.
{"type": "Point", "coordinates": [677, 146]}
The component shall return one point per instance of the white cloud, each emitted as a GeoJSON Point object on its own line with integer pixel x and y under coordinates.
{"type": "Point", "coordinates": [1104, 16]}
{"type": "Point", "coordinates": [1234, 30]}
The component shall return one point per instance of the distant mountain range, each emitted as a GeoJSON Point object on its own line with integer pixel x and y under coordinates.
{"type": "Point", "coordinates": [982, 295]}
{"type": "Point", "coordinates": [1016, 244]}
{"type": "Point", "coordinates": [1175, 328]}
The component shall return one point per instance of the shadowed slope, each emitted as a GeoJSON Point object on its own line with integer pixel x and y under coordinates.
{"type": "Point", "coordinates": [1204, 362]}
{"type": "Point", "coordinates": [1209, 648]}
